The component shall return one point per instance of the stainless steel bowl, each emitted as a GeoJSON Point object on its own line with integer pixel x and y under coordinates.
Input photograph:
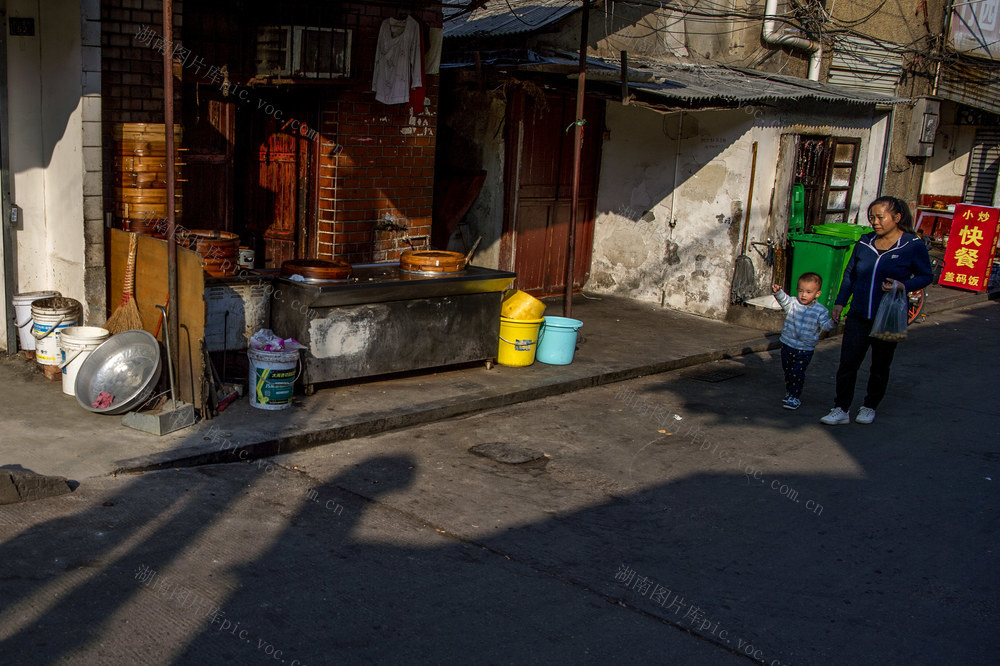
{"type": "Point", "coordinates": [126, 365]}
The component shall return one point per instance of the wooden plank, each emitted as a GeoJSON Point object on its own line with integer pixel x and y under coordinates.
{"type": "Point", "coordinates": [151, 289]}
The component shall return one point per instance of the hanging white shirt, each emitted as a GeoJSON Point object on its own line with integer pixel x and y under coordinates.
{"type": "Point", "coordinates": [397, 61]}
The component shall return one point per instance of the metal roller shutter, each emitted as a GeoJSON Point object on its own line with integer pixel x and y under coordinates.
{"type": "Point", "coordinates": [984, 164]}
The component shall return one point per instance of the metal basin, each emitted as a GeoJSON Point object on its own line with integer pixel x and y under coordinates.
{"type": "Point", "coordinates": [127, 366]}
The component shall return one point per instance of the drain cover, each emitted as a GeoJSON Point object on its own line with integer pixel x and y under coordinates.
{"type": "Point", "coordinates": [505, 452]}
{"type": "Point", "coordinates": [716, 373]}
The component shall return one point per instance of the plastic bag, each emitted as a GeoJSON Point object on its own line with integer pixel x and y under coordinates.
{"type": "Point", "coordinates": [890, 319]}
{"type": "Point", "coordinates": [266, 340]}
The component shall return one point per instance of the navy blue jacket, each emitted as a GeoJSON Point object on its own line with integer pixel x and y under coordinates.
{"type": "Point", "coordinates": [907, 262]}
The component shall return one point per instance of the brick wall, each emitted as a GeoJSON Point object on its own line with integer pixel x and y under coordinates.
{"type": "Point", "coordinates": [131, 75]}
{"type": "Point", "coordinates": [377, 161]}
{"type": "Point", "coordinates": [131, 70]}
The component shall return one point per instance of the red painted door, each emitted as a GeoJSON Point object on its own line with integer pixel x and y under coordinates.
{"type": "Point", "coordinates": [278, 193]}
{"type": "Point", "coordinates": [539, 181]}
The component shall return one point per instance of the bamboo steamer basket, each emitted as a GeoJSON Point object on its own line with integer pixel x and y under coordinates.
{"type": "Point", "coordinates": [140, 177]}
{"type": "Point", "coordinates": [317, 269]}
{"type": "Point", "coordinates": [219, 250]}
{"type": "Point", "coordinates": [432, 261]}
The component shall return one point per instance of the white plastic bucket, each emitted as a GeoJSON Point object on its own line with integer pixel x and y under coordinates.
{"type": "Point", "coordinates": [77, 342]}
{"type": "Point", "coordinates": [22, 315]}
{"type": "Point", "coordinates": [51, 316]}
{"type": "Point", "coordinates": [272, 378]}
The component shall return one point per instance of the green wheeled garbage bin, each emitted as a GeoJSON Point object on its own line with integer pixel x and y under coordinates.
{"type": "Point", "coordinates": [822, 254]}
{"type": "Point", "coordinates": [853, 232]}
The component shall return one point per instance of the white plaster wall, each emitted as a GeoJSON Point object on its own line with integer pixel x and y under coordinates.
{"type": "Point", "coordinates": [945, 171]}
{"type": "Point", "coordinates": [689, 266]}
{"type": "Point", "coordinates": [46, 146]}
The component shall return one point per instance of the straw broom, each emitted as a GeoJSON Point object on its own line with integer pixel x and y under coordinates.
{"type": "Point", "coordinates": [126, 315]}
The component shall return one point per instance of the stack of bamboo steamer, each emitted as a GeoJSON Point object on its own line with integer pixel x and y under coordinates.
{"type": "Point", "coordinates": [140, 177]}
{"type": "Point", "coordinates": [219, 250]}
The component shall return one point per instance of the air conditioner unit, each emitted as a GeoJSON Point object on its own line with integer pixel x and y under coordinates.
{"type": "Point", "coordinates": [297, 51]}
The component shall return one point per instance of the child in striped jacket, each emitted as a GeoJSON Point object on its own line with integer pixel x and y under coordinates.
{"type": "Point", "coordinates": [804, 318]}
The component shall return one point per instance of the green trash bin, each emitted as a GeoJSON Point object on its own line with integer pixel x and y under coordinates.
{"type": "Point", "coordinates": [853, 232]}
{"type": "Point", "coordinates": [823, 254]}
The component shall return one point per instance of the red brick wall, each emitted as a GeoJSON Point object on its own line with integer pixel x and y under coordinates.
{"type": "Point", "coordinates": [377, 162]}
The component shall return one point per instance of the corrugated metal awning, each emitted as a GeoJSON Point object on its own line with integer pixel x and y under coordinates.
{"type": "Point", "coordinates": [700, 85]}
{"type": "Point", "coordinates": [506, 17]}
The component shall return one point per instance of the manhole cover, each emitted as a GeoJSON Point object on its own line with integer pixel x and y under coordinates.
{"type": "Point", "coordinates": [505, 452]}
{"type": "Point", "coordinates": [715, 374]}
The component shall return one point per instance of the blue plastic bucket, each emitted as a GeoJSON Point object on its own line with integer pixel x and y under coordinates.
{"type": "Point", "coordinates": [557, 340]}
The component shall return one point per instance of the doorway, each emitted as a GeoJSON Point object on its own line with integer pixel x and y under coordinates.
{"type": "Point", "coordinates": [539, 177]}
{"type": "Point", "coordinates": [275, 193]}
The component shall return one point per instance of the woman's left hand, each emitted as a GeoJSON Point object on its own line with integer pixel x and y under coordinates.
{"type": "Point", "coordinates": [892, 285]}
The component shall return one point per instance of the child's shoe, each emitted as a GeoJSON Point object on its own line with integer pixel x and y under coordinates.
{"type": "Point", "coordinates": [791, 403]}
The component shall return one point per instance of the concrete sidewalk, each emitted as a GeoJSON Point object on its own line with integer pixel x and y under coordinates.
{"type": "Point", "coordinates": [46, 431]}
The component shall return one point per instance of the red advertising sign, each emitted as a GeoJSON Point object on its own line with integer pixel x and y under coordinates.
{"type": "Point", "coordinates": [971, 246]}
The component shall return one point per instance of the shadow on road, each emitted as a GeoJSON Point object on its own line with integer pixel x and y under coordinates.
{"type": "Point", "coordinates": [899, 565]}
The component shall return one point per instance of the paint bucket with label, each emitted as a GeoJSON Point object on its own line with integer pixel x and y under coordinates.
{"type": "Point", "coordinates": [51, 316]}
{"type": "Point", "coordinates": [518, 340]}
{"type": "Point", "coordinates": [22, 315]}
{"type": "Point", "coordinates": [76, 343]}
{"type": "Point", "coordinates": [272, 378]}
{"type": "Point", "coordinates": [557, 340]}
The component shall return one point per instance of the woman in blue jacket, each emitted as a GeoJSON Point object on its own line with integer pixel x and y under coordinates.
{"type": "Point", "coordinates": [892, 258]}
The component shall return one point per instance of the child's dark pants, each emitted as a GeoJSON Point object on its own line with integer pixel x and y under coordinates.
{"type": "Point", "coordinates": [794, 362]}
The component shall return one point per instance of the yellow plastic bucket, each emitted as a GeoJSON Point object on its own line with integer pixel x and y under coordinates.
{"type": "Point", "coordinates": [518, 341]}
{"type": "Point", "coordinates": [519, 305]}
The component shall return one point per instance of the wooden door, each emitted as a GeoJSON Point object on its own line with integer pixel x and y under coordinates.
{"type": "Point", "coordinates": [278, 192]}
{"type": "Point", "coordinates": [207, 159]}
{"type": "Point", "coordinates": [539, 190]}
{"type": "Point", "coordinates": [827, 168]}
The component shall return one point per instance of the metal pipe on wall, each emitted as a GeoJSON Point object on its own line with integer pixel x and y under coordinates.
{"type": "Point", "coordinates": [772, 36]}
{"type": "Point", "coordinates": [168, 128]}
{"type": "Point", "coordinates": [6, 190]}
{"type": "Point", "coordinates": [574, 205]}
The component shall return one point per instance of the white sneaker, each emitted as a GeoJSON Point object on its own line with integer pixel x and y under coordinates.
{"type": "Point", "coordinates": [865, 415]}
{"type": "Point", "coordinates": [837, 416]}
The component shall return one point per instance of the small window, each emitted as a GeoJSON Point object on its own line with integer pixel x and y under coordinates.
{"type": "Point", "coordinates": [303, 52]}
{"type": "Point", "coordinates": [827, 167]}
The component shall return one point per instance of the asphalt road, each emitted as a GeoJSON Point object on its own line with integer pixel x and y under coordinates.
{"type": "Point", "coordinates": [679, 518]}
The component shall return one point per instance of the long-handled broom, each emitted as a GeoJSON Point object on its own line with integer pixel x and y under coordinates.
{"type": "Point", "coordinates": [126, 316]}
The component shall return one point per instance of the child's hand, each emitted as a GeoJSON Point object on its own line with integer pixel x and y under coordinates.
{"type": "Point", "coordinates": [775, 288]}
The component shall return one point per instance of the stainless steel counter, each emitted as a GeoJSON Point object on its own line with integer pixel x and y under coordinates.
{"type": "Point", "coordinates": [380, 283]}
{"type": "Point", "coordinates": [384, 320]}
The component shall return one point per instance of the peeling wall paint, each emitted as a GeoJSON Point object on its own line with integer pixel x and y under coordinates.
{"type": "Point", "coordinates": [677, 246]}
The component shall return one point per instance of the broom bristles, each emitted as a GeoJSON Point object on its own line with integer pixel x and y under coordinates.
{"type": "Point", "coordinates": [126, 316]}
